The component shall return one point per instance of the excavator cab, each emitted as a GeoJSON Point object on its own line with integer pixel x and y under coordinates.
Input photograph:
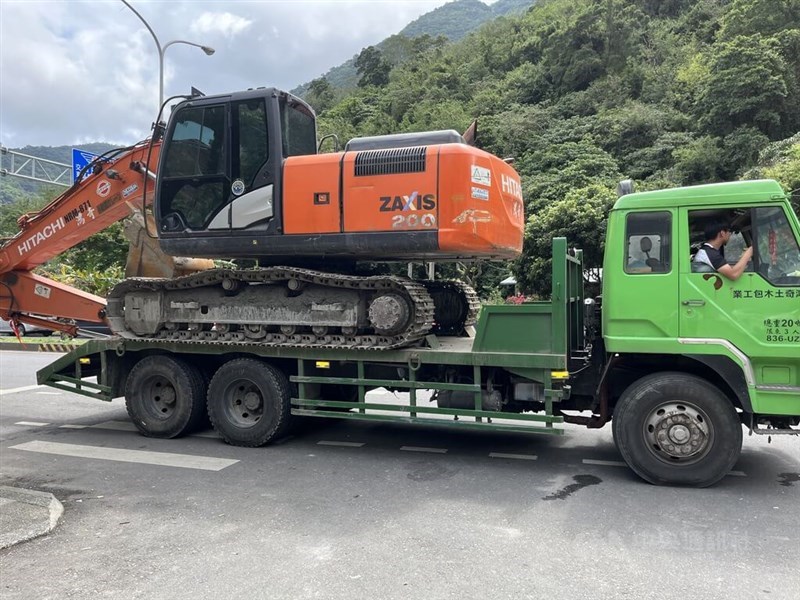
{"type": "Point", "coordinates": [239, 177]}
{"type": "Point", "coordinates": [220, 169]}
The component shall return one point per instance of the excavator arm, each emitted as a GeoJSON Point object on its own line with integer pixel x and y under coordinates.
{"type": "Point", "coordinates": [112, 192]}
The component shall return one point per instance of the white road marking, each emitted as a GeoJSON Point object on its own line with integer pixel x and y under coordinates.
{"type": "Point", "coordinates": [32, 423]}
{"type": "Point", "coordinates": [49, 393]}
{"type": "Point", "coordinates": [71, 426]}
{"type": "Point", "coordinates": [27, 388]}
{"type": "Point", "coordinates": [616, 463]}
{"type": "Point", "coordinates": [115, 426]}
{"type": "Point", "coordinates": [128, 426]}
{"type": "Point", "coordinates": [164, 459]}
{"type": "Point", "coordinates": [421, 449]}
{"type": "Point", "coordinates": [343, 444]}
{"type": "Point", "coordinates": [604, 463]}
{"type": "Point", "coordinates": [517, 456]}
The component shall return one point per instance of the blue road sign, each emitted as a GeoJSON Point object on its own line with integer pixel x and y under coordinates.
{"type": "Point", "coordinates": [81, 158]}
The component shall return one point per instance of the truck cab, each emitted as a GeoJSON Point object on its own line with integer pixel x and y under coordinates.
{"type": "Point", "coordinates": [664, 312]}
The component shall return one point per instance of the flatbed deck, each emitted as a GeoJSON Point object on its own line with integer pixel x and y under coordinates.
{"type": "Point", "coordinates": [531, 344]}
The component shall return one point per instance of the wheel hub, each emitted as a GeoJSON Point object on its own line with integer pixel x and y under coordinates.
{"type": "Point", "coordinates": [243, 404]}
{"type": "Point", "coordinates": [678, 432]}
{"type": "Point", "coordinates": [389, 313]}
{"type": "Point", "coordinates": [162, 397]}
{"type": "Point", "coordinates": [252, 400]}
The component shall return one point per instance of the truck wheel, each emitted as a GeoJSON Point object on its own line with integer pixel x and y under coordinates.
{"type": "Point", "coordinates": [165, 396]}
{"type": "Point", "coordinates": [677, 429]}
{"type": "Point", "coordinates": [249, 402]}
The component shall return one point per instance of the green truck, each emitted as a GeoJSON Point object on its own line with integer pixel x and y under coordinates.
{"type": "Point", "coordinates": [675, 357]}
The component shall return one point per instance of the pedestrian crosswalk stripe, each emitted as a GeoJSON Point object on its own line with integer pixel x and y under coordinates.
{"type": "Point", "coordinates": [147, 457]}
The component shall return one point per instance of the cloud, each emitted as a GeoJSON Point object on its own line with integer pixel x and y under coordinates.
{"type": "Point", "coordinates": [225, 23]}
{"type": "Point", "coordinates": [73, 71]}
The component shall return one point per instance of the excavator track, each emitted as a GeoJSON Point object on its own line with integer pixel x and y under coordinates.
{"type": "Point", "coordinates": [384, 312]}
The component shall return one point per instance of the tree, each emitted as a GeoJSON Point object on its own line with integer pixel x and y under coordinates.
{"type": "Point", "coordinates": [320, 94]}
{"type": "Point", "coordinates": [372, 68]}
{"type": "Point", "coordinates": [766, 17]}
{"type": "Point", "coordinates": [580, 217]}
{"type": "Point", "coordinates": [781, 161]}
{"type": "Point", "coordinates": [698, 161]}
{"type": "Point", "coordinates": [747, 82]}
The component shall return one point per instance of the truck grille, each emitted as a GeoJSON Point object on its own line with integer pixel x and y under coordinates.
{"type": "Point", "coordinates": [391, 161]}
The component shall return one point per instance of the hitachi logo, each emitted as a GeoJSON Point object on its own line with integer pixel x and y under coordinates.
{"type": "Point", "coordinates": [45, 233]}
{"type": "Point", "coordinates": [511, 186]}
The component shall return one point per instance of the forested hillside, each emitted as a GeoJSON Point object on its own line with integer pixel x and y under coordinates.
{"type": "Point", "coordinates": [453, 21]}
{"type": "Point", "coordinates": [584, 93]}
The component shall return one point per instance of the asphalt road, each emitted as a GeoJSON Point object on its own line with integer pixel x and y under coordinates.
{"type": "Point", "coordinates": [347, 510]}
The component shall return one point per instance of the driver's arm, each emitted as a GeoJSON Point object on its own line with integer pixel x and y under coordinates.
{"type": "Point", "coordinates": [733, 272]}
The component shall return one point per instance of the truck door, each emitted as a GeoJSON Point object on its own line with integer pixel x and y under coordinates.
{"type": "Point", "coordinates": [755, 318]}
{"type": "Point", "coordinates": [263, 134]}
{"type": "Point", "coordinates": [252, 178]}
{"type": "Point", "coordinates": [640, 283]}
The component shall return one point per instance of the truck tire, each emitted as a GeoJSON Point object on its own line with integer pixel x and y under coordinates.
{"type": "Point", "coordinates": [677, 429]}
{"type": "Point", "coordinates": [249, 402]}
{"type": "Point", "coordinates": [165, 396]}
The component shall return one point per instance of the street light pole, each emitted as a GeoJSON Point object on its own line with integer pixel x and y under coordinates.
{"type": "Point", "coordinates": [162, 50]}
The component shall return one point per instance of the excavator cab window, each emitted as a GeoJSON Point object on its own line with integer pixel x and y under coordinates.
{"type": "Point", "coordinates": [193, 186]}
{"type": "Point", "coordinates": [298, 129]}
{"type": "Point", "coordinates": [250, 139]}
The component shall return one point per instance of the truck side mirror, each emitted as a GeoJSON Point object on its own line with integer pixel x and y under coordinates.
{"type": "Point", "coordinates": [625, 187]}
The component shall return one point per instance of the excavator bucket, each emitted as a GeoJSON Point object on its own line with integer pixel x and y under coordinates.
{"type": "Point", "coordinates": [145, 258]}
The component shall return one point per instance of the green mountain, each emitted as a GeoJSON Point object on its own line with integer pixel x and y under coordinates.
{"type": "Point", "coordinates": [453, 20]}
{"type": "Point", "coordinates": [456, 19]}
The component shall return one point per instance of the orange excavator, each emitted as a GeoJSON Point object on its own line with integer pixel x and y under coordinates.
{"type": "Point", "coordinates": [239, 176]}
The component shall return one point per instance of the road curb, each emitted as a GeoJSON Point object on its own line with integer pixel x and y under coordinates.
{"type": "Point", "coordinates": [37, 347]}
{"type": "Point", "coordinates": [26, 514]}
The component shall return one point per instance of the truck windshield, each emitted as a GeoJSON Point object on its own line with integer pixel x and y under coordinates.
{"type": "Point", "coordinates": [778, 251]}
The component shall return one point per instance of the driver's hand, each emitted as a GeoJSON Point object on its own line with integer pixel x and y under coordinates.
{"type": "Point", "coordinates": [748, 253]}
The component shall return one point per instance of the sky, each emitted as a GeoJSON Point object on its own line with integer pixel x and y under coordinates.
{"type": "Point", "coordinates": [74, 71]}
